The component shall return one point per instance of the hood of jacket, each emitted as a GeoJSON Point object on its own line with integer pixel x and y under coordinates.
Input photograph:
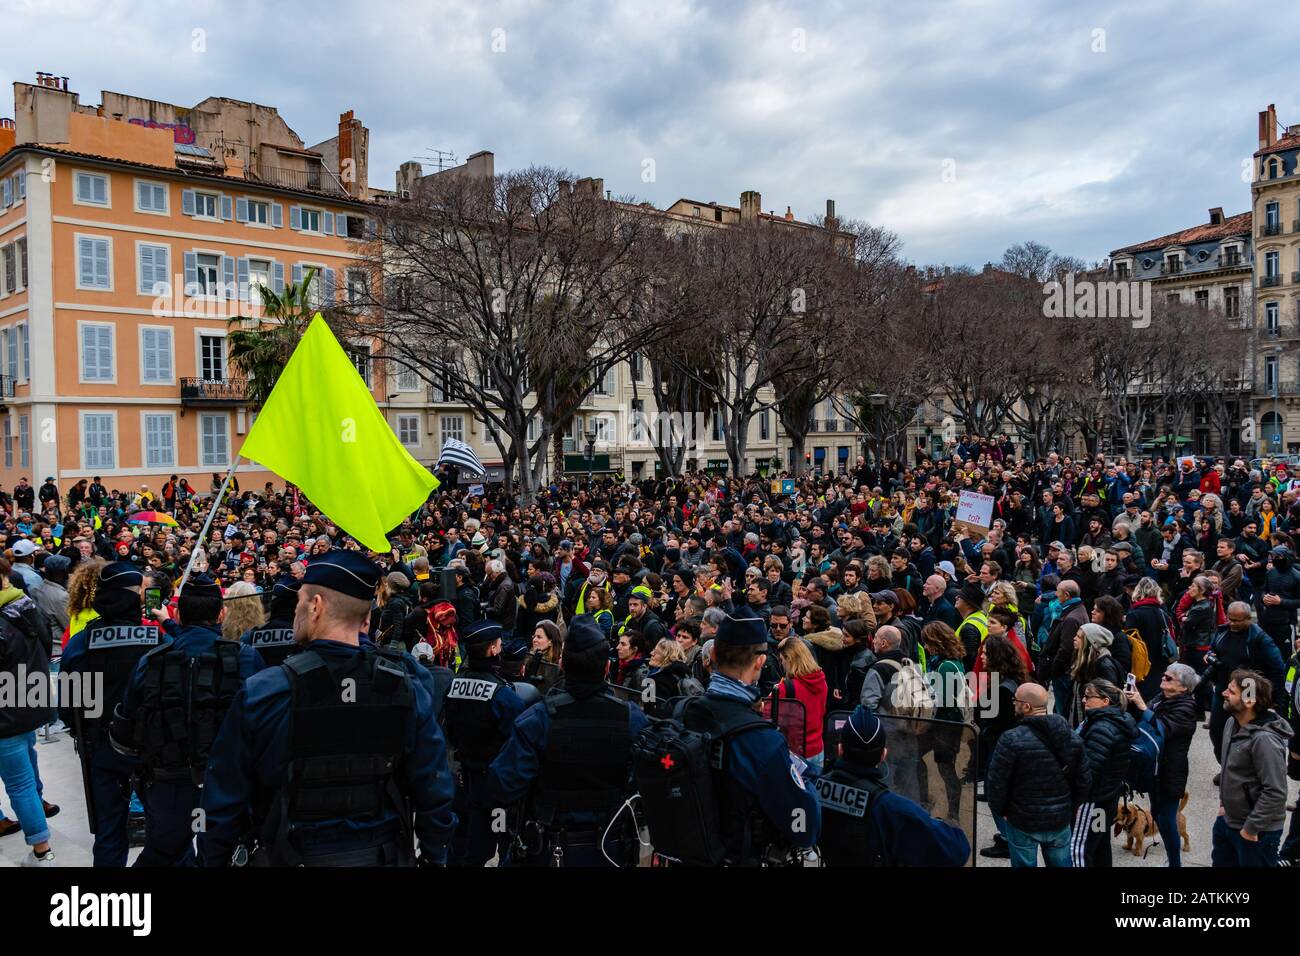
{"type": "Point", "coordinates": [831, 639]}
{"type": "Point", "coordinates": [814, 683]}
{"type": "Point", "coordinates": [542, 603]}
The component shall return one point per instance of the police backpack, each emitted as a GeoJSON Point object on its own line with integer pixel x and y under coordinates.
{"type": "Point", "coordinates": [675, 772]}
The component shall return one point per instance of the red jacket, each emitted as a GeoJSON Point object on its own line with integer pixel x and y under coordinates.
{"type": "Point", "coordinates": [811, 691]}
{"type": "Point", "coordinates": [1210, 483]}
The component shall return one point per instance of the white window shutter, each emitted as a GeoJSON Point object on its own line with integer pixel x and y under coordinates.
{"type": "Point", "coordinates": [162, 267]}
{"type": "Point", "coordinates": [227, 209]}
{"type": "Point", "coordinates": [242, 266]}
{"type": "Point", "coordinates": [327, 223]}
{"type": "Point", "coordinates": [241, 210]}
{"type": "Point", "coordinates": [7, 190]}
{"type": "Point", "coordinates": [277, 215]}
{"type": "Point", "coordinates": [341, 225]}
{"type": "Point", "coordinates": [187, 202]}
{"type": "Point", "coordinates": [146, 272]}
{"type": "Point", "coordinates": [21, 182]}
{"type": "Point", "coordinates": [228, 275]}
{"type": "Point", "coordinates": [277, 277]}
{"type": "Point", "coordinates": [191, 273]}
{"type": "Point", "coordinates": [295, 218]}
{"type": "Point", "coordinates": [329, 288]}
{"type": "Point", "coordinates": [297, 274]}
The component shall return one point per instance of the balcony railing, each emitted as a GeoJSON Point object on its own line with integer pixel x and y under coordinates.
{"type": "Point", "coordinates": [1231, 259]}
{"type": "Point", "coordinates": [1170, 268]}
{"type": "Point", "coordinates": [7, 383]}
{"type": "Point", "coordinates": [1269, 281]}
{"type": "Point", "coordinates": [318, 180]}
{"type": "Point", "coordinates": [1271, 229]}
{"type": "Point", "coordinates": [215, 391]}
{"type": "Point", "coordinates": [832, 424]}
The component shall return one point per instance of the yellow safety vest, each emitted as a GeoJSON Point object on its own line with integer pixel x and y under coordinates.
{"type": "Point", "coordinates": [582, 596]}
{"type": "Point", "coordinates": [981, 622]}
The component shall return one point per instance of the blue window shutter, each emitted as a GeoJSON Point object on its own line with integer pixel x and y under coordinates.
{"type": "Point", "coordinates": [191, 273]}
{"type": "Point", "coordinates": [243, 279]}
{"type": "Point", "coordinates": [228, 275]}
{"type": "Point", "coordinates": [277, 277]}
{"type": "Point", "coordinates": [162, 267]}
{"type": "Point", "coordinates": [327, 223]}
{"type": "Point", "coordinates": [296, 275]}
{"type": "Point", "coordinates": [341, 225]}
{"type": "Point", "coordinates": [146, 270]}
{"type": "Point", "coordinates": [241, 210]}
{"type": "Point", "coordinates": [227, 209]}
{"type": "Point", "coordinates": [295, 218]}
{"type": "Point", "coordinates": [277, 215]}
{"type": "Point", "coordinates": [21, 180]}
{"type": "Point", "coordinates": [187, 203]}
{"type": "Point", "coordinates": [329, 287]}
{"type": "Point", "coordinates": [5, 190]}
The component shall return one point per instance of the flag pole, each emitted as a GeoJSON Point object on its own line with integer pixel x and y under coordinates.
{"type": "Point", "coordinates": [207, 525]}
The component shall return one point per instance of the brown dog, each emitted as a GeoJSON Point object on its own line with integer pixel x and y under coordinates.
{"type": "Point", "coordinates": [1139, 825]}
{"type": "Point", "coordinates": [1182, 823]}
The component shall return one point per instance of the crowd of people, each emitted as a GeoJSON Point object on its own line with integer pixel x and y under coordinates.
{"type": "Point", "coordinates": [865, 659]}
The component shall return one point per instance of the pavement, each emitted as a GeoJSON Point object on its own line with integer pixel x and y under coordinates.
{"type": "Point", "coordinates": [71, 839]}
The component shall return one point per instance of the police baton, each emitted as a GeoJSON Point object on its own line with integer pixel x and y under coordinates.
{"type": "Point", "coordinates": [82, 743]}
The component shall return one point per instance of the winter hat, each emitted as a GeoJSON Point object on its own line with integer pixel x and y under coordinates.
{"type": "Point", "coordinates": [1096, 635]}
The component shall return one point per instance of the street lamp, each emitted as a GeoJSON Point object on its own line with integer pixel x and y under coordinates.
{"type": "Point", "coordinates": [590, 435]}
{"type": "Point", "coordinates": [1276, 446]}
{"type": "Point", "coordinates": [877, 401]}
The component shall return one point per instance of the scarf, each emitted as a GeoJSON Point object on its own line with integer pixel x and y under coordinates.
{"type": "Point", "coordinates": [720, 685]}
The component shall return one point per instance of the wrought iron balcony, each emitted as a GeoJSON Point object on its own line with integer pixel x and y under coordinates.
{"type": "Point", "coordinates": [7, 383]}
{"type": "Point", "coordinates": [214, 391]}
{"type": "Point", "coordinates": [1271, 229]}
{"type": "Point", "coordinates": [1269, 281]}
{"type": "Point", "coordinates": [315, 180]}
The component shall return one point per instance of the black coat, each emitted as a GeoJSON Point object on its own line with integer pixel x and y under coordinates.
{"type": "Point", "coordinates": [1107, 734]}
{"type": "Point", "coordinates": [1149, 620]}
{"type": "Point", "coordinates": [1025, 781]}
{"type": "Point", "coordinates": [24, 654]}
{"type": "Point", "coordinates": [1177, 719]}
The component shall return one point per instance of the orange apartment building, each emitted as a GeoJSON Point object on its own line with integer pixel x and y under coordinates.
{"type": "Point", "coordinates": [130, 233]}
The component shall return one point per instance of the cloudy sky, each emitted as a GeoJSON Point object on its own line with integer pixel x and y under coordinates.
{"type": "Point", "coordinates": [962, 126]}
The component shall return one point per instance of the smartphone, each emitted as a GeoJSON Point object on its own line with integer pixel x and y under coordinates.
{"type": "Point", "coordinates": [1131, 684]}
{"type": "Point", "coordinates": [152, 599]}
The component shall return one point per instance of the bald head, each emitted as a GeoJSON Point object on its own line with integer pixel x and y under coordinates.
{"type": "Point", "coordinates": [1034, 696]}
{"type": "Point", "coordinates": [888, 638]}
{"type": "Point", "coordinates": [1069, 588]}
{"type": "Point", "coordinates": [934, 587]}
{"type": "Point", "coordinates": [1239, 609]}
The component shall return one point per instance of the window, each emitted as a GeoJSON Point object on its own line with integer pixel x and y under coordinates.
{"type": "Point", "coordinates": [604, 428]}
{"type": "Point", "coordinates": [1203, 298]}
{"type": "Point", "coordinates": [408, 430]}
{"type": "Point", "coordinates": [1272, 219]}
{"type": "Point", "coordinates": [717, 426]}
{"type": "Point", "coordinates": [150, 197]}
{"type": "Point", "coordinates": [98, 443]}
{"type": "Point", "coordinates": [695, 211]}
{"type": "Point", "coordinates": [93, 265]}
{"type": "Point", "coordinates": [259, 277]}
{"type": "Point", "coordinates": [1174, 263]}
{"type": "Point", "coordinates": [154, 269]}
{"type": "Point", "coordinates": [24, 442]}
{"type": "Point", "coordinates": [205, 205]}
{"type": "Point", "coordinates": [1232, 302]}
{"type": "Point", "coordinates": [406, 379]}
{"type": "Point", "coordinates": [9, 269]}
{"type": "Point", "coordinates": [207, 274]}
{"type": "Point", "coordinates": [212, 358]}
{"type": "Point", "coordinates": [1272, 265]}
{"type": "Point", "coordinates": [639, 431]}
{"type": "Point", "coordinates": [1172, 298]}
{"type": "Point", "coordinates": [1121, 270]}
{"type": "Point", "coordinates": [360, 356]}
{"type": "Point", "coordinates": [451, 426]}
{"type": "Point", "coordinates": [636, 362]}
{"type": "Point", "coordinates": [91, 190]}
{"type": "Point", "coordinates": [607, 382]}
{"type": "Point", "coordinates": [1270, 373]}
{"type": "Point", "coordinates": [356, 283]}
{"type": "Point", "coordinates": [1271, 312]}
{"type": "Point", "coordinates": [11, 353]}
{"type": "Point", "coordinates": [309, 219]}
{"type": "Point", "coordinates": [258, 212]}
{"type": "Point", "coordinates": [214, 440]}
{"type": "Point", "coordinates": [155, 355]}
{"type": "Point", "coordinates": [159, 440]}
{"type": "Point", "coordinates": [764, 425]}
{"type": "Point", "coordinates": [96, 352]}
{"type": "Point", "coordinates": [25, 351]}
{"type": "Point", "coordinates": [22, 261]}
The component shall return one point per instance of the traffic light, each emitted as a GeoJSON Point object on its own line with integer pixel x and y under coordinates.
{"type": "Point", "coordinates": [807, 457]}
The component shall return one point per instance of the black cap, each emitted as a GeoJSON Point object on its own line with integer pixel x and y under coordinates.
{"type": "Point", "coordinates": [863, 732]}
{"type": "Point", "coordinates": [202, 585]}
{"type": "Point", "coordinates": [742, 627]}
{"type": "Point", "coordinates": [584, 634]}
{"type": "Point", "coordinates": [482, 632]}
{"type": "Point", "coordinates": [347, 572]}
{"type": "Point", "coordinates": [120, 574]}
{"type": "Point", "coordinates": [884, 597]}
{"type": "Point", "coordinates": [284, 596]}
{"type": "Point", "coordinates": [972, 595]}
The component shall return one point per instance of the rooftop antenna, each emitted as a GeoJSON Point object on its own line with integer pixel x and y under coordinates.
{"type": "Point", "coordinates": [440, 160]}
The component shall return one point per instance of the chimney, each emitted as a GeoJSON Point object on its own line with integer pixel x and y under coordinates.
{"type": "Point", "coordinates": [1216, 216]}
{"type": "Point", "coordinates": [1268, 127]}
{"type": "Point", "coordinates": [751, 205]}
{"type": "Point", "coordinates": [789, 216]}
{"type": "Point", "coordinates": [831, 222]}
{"type": "Point", "coordinates": [352, 146]}
{"type": "Point", "coordinates": [408, 177]}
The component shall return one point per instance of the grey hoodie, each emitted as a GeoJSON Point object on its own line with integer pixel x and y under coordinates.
{"type": "Point", "coordinates": [1252, 783]}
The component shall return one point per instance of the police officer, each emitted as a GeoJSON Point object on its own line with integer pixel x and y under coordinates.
{"type": "Point", "coordinates": [174, 703]}
{"type": "Point", "coordinates": [764, 802]}
{"type": "Point", "coordinates": [273, 640]}
{"type": "Point", "coordinates": [480, 711]}
{"type": "Point", "coordinates": [571, 755]}
{"type": "Point", "coordinates": [105, 652]}
{"type": "Point", "coordinates": [277, 768]}
{"type": "Point", "coordinates": [864, 823]}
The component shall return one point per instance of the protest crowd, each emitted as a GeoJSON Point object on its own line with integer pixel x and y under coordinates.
{"type": "Point", "coordinates": [695, 671]}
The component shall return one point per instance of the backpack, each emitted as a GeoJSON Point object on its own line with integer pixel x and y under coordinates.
{"type": "Point", "coordinates": [674, 769]}
{"type": "Point", "coordinates": [1141, 664]}
{"type": "Point", "coordinates": [912, 695]}
{"type": "Point", "coordinates": [1144, 755]}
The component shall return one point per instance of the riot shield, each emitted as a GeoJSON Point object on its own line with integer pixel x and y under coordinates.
{"type": "Point", "coordinates": [790, 717]}
{"type": "Point", "coordinates": [629, 694]}
{"type": "Point", "coordinates": [932, 762]}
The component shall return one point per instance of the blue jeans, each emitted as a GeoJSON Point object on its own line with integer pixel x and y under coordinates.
{"type": "Point", "coordinates": [1291, 845]}
{"type": "Point", "coordinates": [1230, 850]}
{"type": "Point", "coordinates": [18, 771]}
{"type": "Point", "coordinates": [1165, 813]}
{"type": "Point", "coordinates": [36, 769]}
{"type": "Point", "coordinates": [1024, 846]}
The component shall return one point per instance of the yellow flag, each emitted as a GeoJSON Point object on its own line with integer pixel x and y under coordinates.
{"type": "Point", "coordinates": [321, 429]}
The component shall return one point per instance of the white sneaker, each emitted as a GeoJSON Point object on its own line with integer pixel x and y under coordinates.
{"type": "Point", "coordinates": [34, 860]}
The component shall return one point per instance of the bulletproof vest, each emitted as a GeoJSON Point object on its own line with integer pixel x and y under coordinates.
{"type": "Point", "coordinates": [471, 725]}
{"type": "Point", "coordinates": [113, 649]}
{"type": "Point", "coordinates": [182, 703]}
{"type": "Point", "coordinates": [588, 754]}
{"type": "Point", "coordinates": [273, 641]}
{"type": "Point", "coordinates": [745, 830]}
{"type": "Point", "coordinates": [346, 744]}
{"type": "Point", "coordinates": [849, 834]}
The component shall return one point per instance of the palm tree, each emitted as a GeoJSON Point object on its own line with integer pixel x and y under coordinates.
{"type": "Point", "coordinates": [260, 353]}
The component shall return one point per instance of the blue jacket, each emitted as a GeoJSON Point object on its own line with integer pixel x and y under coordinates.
{"type": "Point", "coordinates": [251, 756]}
